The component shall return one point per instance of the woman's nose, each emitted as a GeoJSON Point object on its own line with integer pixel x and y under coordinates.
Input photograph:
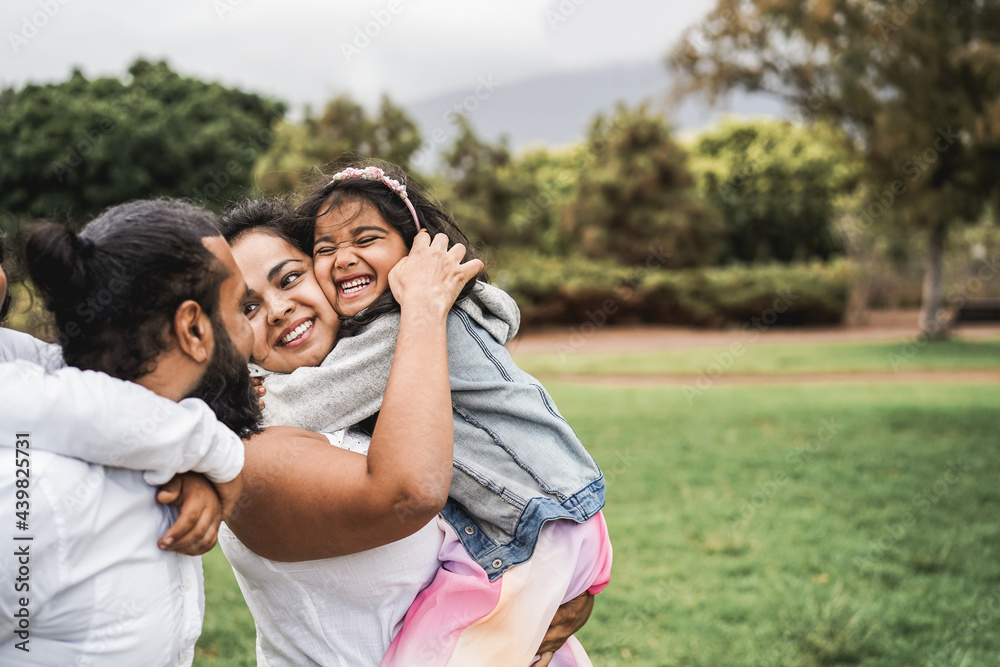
{"type": "Point", "coordinates": [278, 307]}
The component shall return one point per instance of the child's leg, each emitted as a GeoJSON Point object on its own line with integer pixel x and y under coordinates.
{"type": "Point", "coordinates": [462, 619]}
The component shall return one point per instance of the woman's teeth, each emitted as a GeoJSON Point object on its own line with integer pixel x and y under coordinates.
{"type": "Point", "coordinates": [356, 285]}
{"type": "Point", "coordinates": [297, 332]}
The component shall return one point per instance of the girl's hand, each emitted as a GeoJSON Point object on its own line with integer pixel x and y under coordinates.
{"type": "Point", "coordinates": [431, 276]}
{"type": "Point", "coordinates": [258, 384]}
{"type": "Point", "coordinates": [197, 527]}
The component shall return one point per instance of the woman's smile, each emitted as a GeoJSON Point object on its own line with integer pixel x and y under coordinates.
{"type": "Point", "coordinates": [298, 333]}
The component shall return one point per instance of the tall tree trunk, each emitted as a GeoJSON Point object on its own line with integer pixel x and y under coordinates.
{"type": "Point", "coordinates": [932, 321]}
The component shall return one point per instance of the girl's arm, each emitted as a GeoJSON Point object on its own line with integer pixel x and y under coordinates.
{"type": "Point", "coordinates": [99, 419]}
{"type": "Point", "coordinates": [305, 499]}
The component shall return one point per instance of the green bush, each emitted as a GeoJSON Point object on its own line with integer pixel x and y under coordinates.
{"type": "Point", "coordinates": [574, 289]}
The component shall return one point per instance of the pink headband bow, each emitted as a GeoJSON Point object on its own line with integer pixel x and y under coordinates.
{"type": "Point", "coordinates": [376, 174]}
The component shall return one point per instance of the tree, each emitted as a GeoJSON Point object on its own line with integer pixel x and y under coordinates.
{"type": "Point", "coordinates": [776, 184]}
{"type": "Point", "coordinates": [482, 189]}
{"type": "Point", "coordinates": [917, 83]}
{"type": "Point", "coordinates": [636, 200]}
{"type": "Point", "coordinates": [73, 148]}
{"type": "Point", "coordinates": [343, 128]}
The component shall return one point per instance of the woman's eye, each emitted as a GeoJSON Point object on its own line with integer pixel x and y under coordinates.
{"type": "Point", "coordinates": [249, 308]}
{"type": "Point", "coordinates": [289, 279]}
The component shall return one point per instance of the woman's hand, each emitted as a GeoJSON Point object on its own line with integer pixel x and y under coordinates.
{"type": "Point", "coordinates": [431, 276]}
{"type": "Point", "coordinates": [569, 618]}
{"type": "Point", "coordinates": [197, 527]}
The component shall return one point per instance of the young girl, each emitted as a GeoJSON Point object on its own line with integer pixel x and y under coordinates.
{"type": "Point", "coordinates": [524, 527]}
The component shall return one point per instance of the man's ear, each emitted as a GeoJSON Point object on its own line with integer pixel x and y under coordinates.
{"type": "Point", "coordinates": [193, 331]}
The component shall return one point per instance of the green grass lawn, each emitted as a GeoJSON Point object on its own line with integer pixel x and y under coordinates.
{"type": "Point", "coordinates": [809, 525]}
{"type": "Point", "coordinates": [771, 358]}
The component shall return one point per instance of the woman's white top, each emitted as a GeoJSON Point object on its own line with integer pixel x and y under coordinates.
{"type": "Point", "coordinates": [336, 612]}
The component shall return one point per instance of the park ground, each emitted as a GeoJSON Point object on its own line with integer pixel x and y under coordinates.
{"type": "Point", "coordinates": [811, 497]}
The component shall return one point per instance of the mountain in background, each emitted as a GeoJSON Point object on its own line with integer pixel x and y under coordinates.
{"type": "Point", "coordinates": [555, 109]}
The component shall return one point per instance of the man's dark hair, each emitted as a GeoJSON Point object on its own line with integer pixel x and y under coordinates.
{"type": "Point", "coordinates": [115, 287]}
{"type": "Point", "coordinates": [114, 290]}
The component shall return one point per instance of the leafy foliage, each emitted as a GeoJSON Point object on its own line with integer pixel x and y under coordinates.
{"type": "Point", "coordinates": [76, 147]}
{"type": "Point", "coordinates": [635, 196]}
{"type": "Point", "coordinates": [776, 185]}
{"type": "Point", "coordinates": [344, 127]}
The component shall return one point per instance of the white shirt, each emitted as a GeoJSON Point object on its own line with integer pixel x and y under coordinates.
{"type": "Point", "coordinates": [99, 590]}
{"type": "Point", "coordinates": [336, 612]}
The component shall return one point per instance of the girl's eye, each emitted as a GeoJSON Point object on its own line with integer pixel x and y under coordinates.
{"type": "Point", "coordinates": [289, 279]}
{"type": "Point", "coordinates": [325, 250]}
{"type": "Point", "coordinates": [366, 240]}
{"type": "Point", "coordinates": [249, 308]}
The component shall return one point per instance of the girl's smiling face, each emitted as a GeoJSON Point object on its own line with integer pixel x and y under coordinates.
{"type": "Point", "coordinates": [292, 321]}
{"type": "Point", "coordinates": [353, 253]}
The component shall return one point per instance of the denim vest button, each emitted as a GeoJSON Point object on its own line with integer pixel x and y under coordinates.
{"type": "Point", "coordinates": [497, 563]}
{"type": "Point", "coordinates": [469, 530]}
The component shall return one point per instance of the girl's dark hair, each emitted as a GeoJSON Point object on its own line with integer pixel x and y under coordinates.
{"type": "Point", "coordinates": [5, 306]}
{"type": "Point", "coordinates": [115, 287]}
{"type": "Point", "coordinates": [329, 195]}
{"type": "Point", "coordinates": [265, 214]}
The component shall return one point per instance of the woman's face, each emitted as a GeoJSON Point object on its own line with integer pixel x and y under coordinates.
{"type": "Point", "coordinates": [354, 252]}
{"type": "Point", "coordinates": [293, 323]}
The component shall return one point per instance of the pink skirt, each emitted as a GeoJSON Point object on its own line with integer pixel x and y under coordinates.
{"type": "Point", "coordinates": [462, 618]}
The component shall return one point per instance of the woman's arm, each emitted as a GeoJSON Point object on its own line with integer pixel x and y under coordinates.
{"type": "Point", "coordinates": [305, 499]}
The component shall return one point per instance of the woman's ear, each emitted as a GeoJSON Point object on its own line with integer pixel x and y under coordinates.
{"type": "Point", "coordinates": [193, 331]}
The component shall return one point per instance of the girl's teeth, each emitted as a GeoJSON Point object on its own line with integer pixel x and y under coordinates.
{"type": "Point", "coordinates": [297, 331]}
{"type": "Point", "coordinates": [355, 285]}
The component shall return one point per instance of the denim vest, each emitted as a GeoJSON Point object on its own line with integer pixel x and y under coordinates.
{"type": "Point", "coordinates": [518, 463]}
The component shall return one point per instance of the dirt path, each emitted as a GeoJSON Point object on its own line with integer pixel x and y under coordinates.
{"type": "Point", "coordinates": [882, 326]}
{"type": "Point", "coordinates": [901, 377]}
{"type": "Point", "coordinates": [885, 326]}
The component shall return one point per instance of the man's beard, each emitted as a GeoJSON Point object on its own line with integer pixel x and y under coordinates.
{"type": "Point", "coordinates": [226, 386]}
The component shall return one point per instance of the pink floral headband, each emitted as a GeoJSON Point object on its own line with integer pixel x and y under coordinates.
{"type": "Point", "coordinates": [376, 174]}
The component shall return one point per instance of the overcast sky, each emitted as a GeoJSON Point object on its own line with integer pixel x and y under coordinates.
{"type": "Point", "coordinates": [295, 49]}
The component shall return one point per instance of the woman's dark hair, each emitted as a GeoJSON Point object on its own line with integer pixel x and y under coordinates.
{"type": "Point", "coordinates": [5, 306]}
{"type": "Point", "coordinates": [273, 215]}
{"type": "Point", "coordinates": [330, 195]}
{"type": "Point", "coordinates": [115, 287]}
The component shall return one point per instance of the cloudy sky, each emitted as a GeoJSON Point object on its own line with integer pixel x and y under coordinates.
{"type": "Point", "coordinates": [308, 51]}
